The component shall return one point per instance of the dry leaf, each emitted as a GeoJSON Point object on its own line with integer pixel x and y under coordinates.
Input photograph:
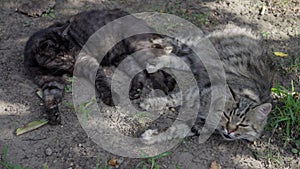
{"type": "Point", "coordinates": [189, 11]}
{"type": "Point", "coordinates": [255, 143]}
{"type": "Point", "coordinates": [215, 165]}
{"type": "Point", "coordinates": [280, 54]}
{"type": "Point", "coordinates": [113, 162]}
{"type": "Point", "coordinates": [31, 126]}
{"type": "Point", "coordinates": [39, 93]}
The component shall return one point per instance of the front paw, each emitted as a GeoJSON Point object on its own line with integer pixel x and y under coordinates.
{"type": "Point", "coordinates": [155, 104]}
{"type": "Point", "coordinates": [111, 99]}
{"type": "Point", "coordinates": [195, 130]}
{"type": "Point", "coordinates": [148, 137]}
{"type": "Point", "coordinates": [145, 105]}
{"type": "Point", "coordinates": [137, 85]}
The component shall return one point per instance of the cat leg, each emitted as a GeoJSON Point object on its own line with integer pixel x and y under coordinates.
{"type": "Point", "coordinates": [178, 131]}
{"type": "Point", "coordinates": [53, 89]}
{"type": "Point", "coordinates": [88, 67]}
{"type": "Point", "coordinates": [103, 89]}
{"type": "Point", "coordinates": [161, 103]}
{"type": "Point", "coordinates": [162, 81]}
{"type": "Point", "coordinates": [134, 72]}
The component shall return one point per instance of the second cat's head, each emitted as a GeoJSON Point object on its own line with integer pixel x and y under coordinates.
{"type": "Point", "coordinates": [50, 49]}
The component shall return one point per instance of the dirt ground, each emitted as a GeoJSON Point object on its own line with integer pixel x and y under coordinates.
{"type": "Point", "coordinates": [67, 146]}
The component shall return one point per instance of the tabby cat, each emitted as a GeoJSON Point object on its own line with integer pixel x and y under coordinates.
{"type": "Point", "coordinates": [50, 53]}
{"type": "Point", "coordinates": [249, 75]}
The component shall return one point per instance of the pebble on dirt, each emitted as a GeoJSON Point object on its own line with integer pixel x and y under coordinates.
{"type": "Point", "coordinates": [48, 151]}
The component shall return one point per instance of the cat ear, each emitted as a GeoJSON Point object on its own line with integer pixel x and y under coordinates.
{"type": "Point", "coordinates": [61, 29]}
{"type": "Point", "coordinates": [65, 31]}
{"type": "Point", "coordinates": [262, 111]}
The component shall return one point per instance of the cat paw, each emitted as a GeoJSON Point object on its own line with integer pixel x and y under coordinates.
{"type": "Point", "coordinates": [54, 116]}
{"type": "Point", "coordinates": [148, 136]}
{"type": "Point", "coordinates": [151, 68]}
{"type": "Point", "coordinates": [145, 105]}
{"type": "Point", "coordinates": [109, 98]}
{"type": "Point", "coordinates": [195, 130]}
{"type": "Point", "coordinates": [154, 104]}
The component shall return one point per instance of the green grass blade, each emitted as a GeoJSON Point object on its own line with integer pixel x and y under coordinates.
{"type": "Point", "coordinates": [98, 161]}
{"type": "Point", "coordinates": [282, 119]}
{"type": "Point", "coordinates": [139, 164]}
{"type": "Point", "coordinates": [5, 154]}
{"type": "Point", "coordinates": [291, 112]}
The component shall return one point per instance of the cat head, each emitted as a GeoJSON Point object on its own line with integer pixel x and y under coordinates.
{"type": "Point", "coordinates": [244, 120]}
{"type": "Point", "coordinates": [50, 49]}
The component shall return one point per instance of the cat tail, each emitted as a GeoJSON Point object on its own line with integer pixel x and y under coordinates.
{"type": "Point", "coordinates": [52, 89]}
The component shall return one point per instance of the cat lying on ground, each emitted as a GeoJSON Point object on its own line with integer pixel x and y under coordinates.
{"type": "Point", "coordinates": [249, 75]}
{"type": "Point", "coordinates": [50, 53]}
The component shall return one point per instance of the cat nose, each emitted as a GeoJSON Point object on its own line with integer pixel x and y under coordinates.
{"type": "Point", "coordinates": [230, 128]}
{"type": "Point", "coordinates": [230, 131]}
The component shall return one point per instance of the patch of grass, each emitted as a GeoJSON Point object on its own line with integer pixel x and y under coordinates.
{"type": "Point", "coordinates": [271, 154]}
{"type": "Point", "coordinates": [70, 80]}
{"type": "Point", "coordinates": [45, 166]}
{"type": "Point", "coordinates": [293, 66]}
{"type": "Point", "coordinates": [150, 162]}
{"type": "Point", "coordinates": [9, 164]}
{"type": "Point", "coordinates": [98, 163]}
{"type": "Point", "coordinates": [51, 14]}
{"type": "Point", "coordinates": [266, 34]}
{"type": "Point", "coordinates": [83, 108]}
{"type": "Point", "coordinates": [27, 23]}
{"type": "Point", "coordinates": [285, 117]}
{"type": "Point", "coordinates": [274, 156]}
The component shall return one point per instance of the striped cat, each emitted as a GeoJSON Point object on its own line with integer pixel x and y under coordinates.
{"type": "Point", "coordinates": [249, 75]}
{"type": "Point", "coordinates": [50, 53]}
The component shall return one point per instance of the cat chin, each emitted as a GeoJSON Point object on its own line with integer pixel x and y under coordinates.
{"type": "Point", "coordinates": [227, 137]}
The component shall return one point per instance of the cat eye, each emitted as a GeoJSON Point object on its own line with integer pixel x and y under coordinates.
{"type": "Point", "coordinates": [157, 46]}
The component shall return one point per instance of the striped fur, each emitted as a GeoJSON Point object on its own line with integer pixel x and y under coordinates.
{"type": "Point", "coordinates": [249, 75]}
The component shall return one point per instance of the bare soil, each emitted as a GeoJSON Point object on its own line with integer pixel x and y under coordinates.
{"type": "Point", "coordinates": [67, 146]}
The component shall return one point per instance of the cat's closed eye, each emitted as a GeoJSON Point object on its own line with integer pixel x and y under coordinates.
{"type": "Point", "coordinates": [243, 125]}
